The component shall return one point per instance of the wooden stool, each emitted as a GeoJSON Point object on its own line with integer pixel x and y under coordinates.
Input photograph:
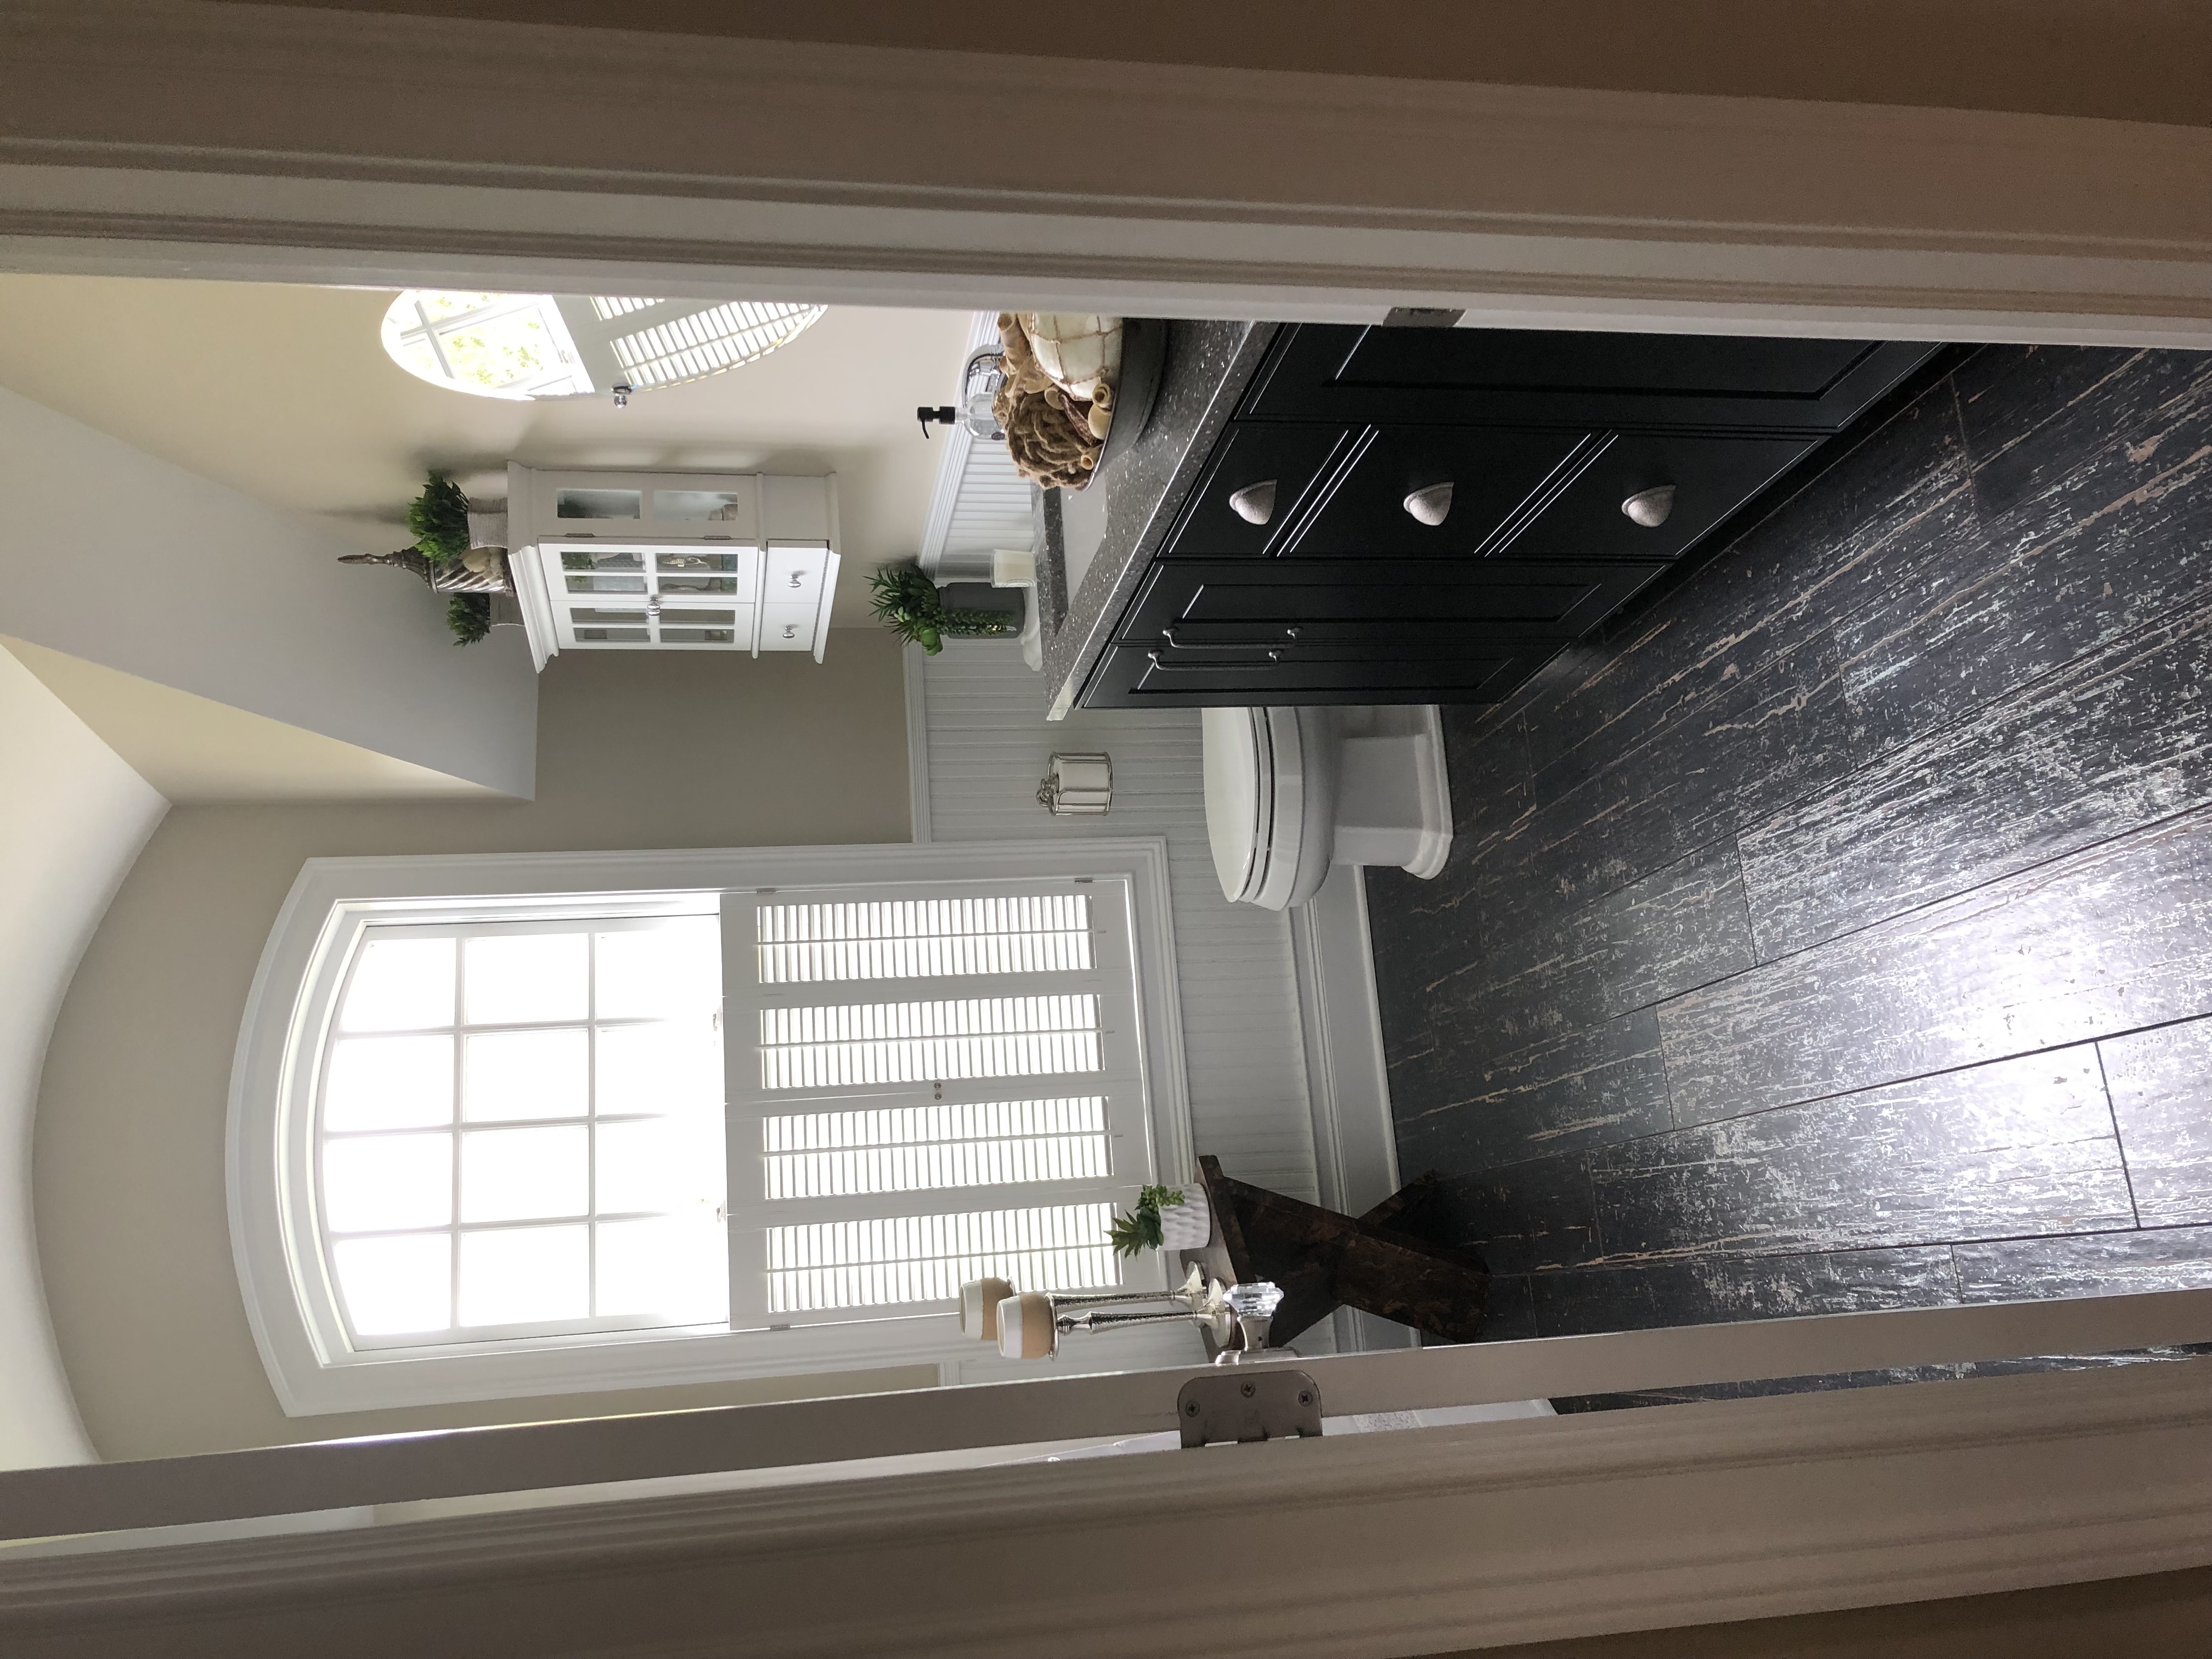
{"type": "Point", "coordinates": [1377, 1263]}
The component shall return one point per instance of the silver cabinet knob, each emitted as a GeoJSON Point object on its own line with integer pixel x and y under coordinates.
{"type": "Point", "coordinates": [1255, 503]}
{"type": "Point", "coordinates": [1649, 507]}
{"type": "Point", "coordinates": [1431, 506]}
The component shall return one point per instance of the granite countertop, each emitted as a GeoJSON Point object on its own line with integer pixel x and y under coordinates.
{"type": "Point", "coordinates": [1204, 374]}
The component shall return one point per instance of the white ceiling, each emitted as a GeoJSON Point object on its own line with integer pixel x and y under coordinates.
{"type": "Point", "coordinates": [283, 392]}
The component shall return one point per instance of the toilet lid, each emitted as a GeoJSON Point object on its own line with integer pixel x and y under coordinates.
{"type": "Point", "coordinates": [1254, 800]}
{"type": "Point", "coordinates": [1239, 775]}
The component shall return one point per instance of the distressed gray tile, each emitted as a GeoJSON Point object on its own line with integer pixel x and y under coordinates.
{"type": "Point", "coordinates": [2116, 739]}
{"type": "Point", "coordinates": [2102, 1264]}
{"type": "Point", "coordinates": [2161, 1087]}
{"type": "Point", "coordinates": [2106, 941]}
{"type": "Point", "coordinates": [2021, 1146]}
{"type": "Point", "coordinates": [1479, 1108]}
{"type": "Point", "coordinates": [1720, 1290]}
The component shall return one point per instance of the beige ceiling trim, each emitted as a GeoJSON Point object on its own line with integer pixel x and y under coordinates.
{"type": "Point", "coordinates": [193, 749]}
{"type": "Point", "coordinates": [285, 143]}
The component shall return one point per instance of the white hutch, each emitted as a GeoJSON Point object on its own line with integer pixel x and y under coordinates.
{"type": "Point", "coordinates": [671, 560]}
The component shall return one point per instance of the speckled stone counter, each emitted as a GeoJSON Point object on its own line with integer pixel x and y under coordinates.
{"type": "Point", "coordinates": [1206, 368]}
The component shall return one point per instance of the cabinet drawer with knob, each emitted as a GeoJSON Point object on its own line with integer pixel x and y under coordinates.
{"type": "Point", "coordinates": [1258, 486]}
{"type": "Point", "coordinates": [1650, 495]}
{"type": "Point", "coordinates": [1436, 492]}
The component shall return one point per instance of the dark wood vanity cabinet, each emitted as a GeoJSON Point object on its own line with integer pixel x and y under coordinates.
{"type": "Point", "coordinates": [1426, 515]}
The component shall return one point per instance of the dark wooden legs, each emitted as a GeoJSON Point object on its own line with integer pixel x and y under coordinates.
{"type": "Point", "coordinates": [1378, 1262]}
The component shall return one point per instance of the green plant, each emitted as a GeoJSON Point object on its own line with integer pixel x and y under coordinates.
{"type": "Point", "coordinates": [438, 518]}
{"type": "Point", "coordinates": [469, 615]}
{"type": "Point", "coordinates": [1139, 1229]}
{"type": "Point", "coordinates": [908, 603]}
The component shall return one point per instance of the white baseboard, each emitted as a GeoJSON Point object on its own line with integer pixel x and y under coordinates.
{"type": "Point", "coordinates": [917, 741]}
{"type": "Point", "coordinates": [1347, 1079]}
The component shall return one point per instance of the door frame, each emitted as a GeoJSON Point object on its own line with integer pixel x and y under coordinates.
{"type": "Point", "coordinates": [285, 143]}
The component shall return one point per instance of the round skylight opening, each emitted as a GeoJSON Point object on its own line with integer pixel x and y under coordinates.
{"type": "Point", "coordinates": [521, 346]}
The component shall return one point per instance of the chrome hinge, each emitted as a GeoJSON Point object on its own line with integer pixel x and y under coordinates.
{"type": "Point", "coordinates": [1263, 1403]}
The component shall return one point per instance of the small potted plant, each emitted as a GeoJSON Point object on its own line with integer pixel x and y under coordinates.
{"type": "Point", "coordinates": [911, 605]}
{"type": "Point", "coordinates": [1164, 1218]}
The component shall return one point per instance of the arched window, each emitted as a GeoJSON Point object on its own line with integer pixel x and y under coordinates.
{"type": "Point", "coordinates": [625, 1119]}
{"type": "Point", "coordinates": [543, 345]}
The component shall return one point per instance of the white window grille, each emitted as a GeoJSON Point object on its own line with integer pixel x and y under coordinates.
{"type": "Point", "coordinates": [519, 1132]}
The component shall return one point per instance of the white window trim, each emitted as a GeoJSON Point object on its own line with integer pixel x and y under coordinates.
{"type": "Point", "coordinates": [311, 935]}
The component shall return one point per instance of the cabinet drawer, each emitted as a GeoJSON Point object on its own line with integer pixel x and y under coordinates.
{"type": "Point", "coordinates": [788, 627]}
{"type": "Point", "coordinates": [1135, 676]}
{"type": "Point", "coordinates": [1711, 477]}
{"type": "Point", "coordinates": [1496, 475]}
{"type": "Point", "coordinates": [1287, 464]}
{"type": "Point", "coordinates": [793, 575]}
{"type": "Point", "coordinates": [1327, 372]}
{"type": "Point", "coordinates": [1392, 604]}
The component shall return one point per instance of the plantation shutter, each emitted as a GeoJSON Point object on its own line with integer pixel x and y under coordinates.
{"type": "Point", "coordinates": [926, 1083]}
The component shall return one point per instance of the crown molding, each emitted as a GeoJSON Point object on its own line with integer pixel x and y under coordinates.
{"type": "Point", "coordinates": [312, 144]}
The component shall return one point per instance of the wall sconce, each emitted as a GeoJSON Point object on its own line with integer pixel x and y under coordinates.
{"type": "Point", "coordinates": [1077, 785]}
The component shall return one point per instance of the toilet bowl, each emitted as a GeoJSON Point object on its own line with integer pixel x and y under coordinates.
{"type": "Point", "coordinates": [1291, 792]}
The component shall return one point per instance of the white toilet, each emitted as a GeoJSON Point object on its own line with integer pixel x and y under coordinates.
{"type": "Point", "coordinates": [1290, 791]}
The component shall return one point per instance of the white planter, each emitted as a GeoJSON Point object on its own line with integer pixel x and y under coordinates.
{"type": "Point", "coordinates": [1187, 1226]}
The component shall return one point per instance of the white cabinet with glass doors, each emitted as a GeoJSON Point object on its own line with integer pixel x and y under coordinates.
{"type": "Point", "coordinates": [672, 561]}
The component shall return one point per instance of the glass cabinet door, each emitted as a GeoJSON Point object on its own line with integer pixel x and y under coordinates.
{"type": "Point", "coordinates": [701, 598]}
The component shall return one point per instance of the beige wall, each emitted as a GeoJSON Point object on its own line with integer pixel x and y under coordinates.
{"type": "Point", "coordinates": [72, 816]}
{"type": "Point", "coordinates": [116, 557]}
{"type": "Point", "coordinates": [2130, 60]}
{"type": "Point", "coordinates": [636, 751]}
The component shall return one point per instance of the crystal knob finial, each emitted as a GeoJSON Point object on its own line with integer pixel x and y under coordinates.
{"type": "Point", "coordinates": [1260, 1298]}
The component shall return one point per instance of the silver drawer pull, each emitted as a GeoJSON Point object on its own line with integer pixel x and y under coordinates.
{"type": "Point", "coordinates": [1255, 503]}
{"type": "Point", "coordinates": [1649, 507]}
{"type": "Point", "coordinates": [1431, 506]}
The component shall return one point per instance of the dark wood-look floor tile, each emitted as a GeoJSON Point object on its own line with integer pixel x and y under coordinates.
{"type": "Point", "coordinates": [1478, 1108]}
{"type": "Point", "coordinates": [2021, 1146]}
{"type": "Point", "coordinates": [1525, 1216]}
{"type": "Point", "coordinates": [1510, 1313]}
{"type": "Point", "coordinates": [2106, 941]}
{"type": "Point", "coordinates": [2100, 1264]}
{"type": "Point", "coordinates": [2039, 421]}
{"type": "Point", "coordinates": [1765, 1387]}
{"type": "Point", "coordinates": [1766, 741]}
{"type": "Point", "coordinates": [1719, 1290]}
{"type": "Point", "coordinates": [1487, 763]}
{"type": "Point", "coordinates": [2124, 490]}
{"type": "Point", "coordinates": [2160, 1083]}
{"type": "Point", "coordinates": [1680, 927]}
{"type": "Point", "coordinates": [2007, 393]}
{"type": "Point", "coordinates": [1894, 499]}
{"type": "Point", "coordinates": [2116, 739]}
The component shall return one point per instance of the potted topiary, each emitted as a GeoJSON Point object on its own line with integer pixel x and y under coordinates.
{"type": "Point", "coordinates": [1164, 1218]}
{"type": "Point", "coordinates": [442, 556]}
{"type": "Point", "coordinates": [912, 607]}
